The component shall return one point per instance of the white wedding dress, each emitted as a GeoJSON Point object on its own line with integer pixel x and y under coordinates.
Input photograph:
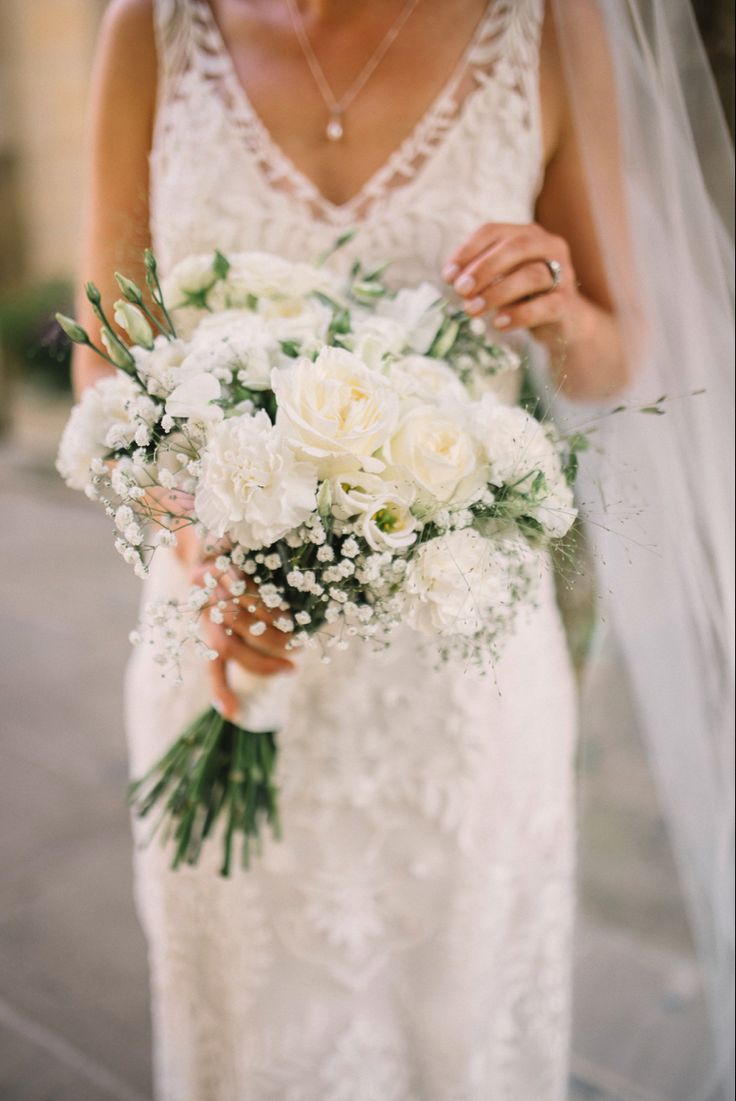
{"type": "Point", "coordinates": [409, 939]}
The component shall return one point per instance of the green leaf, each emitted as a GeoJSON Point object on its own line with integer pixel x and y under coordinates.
{"type": "Point", "coordinates": [221, 265]}
{"type": "Point", "coordinates": [654, 410]}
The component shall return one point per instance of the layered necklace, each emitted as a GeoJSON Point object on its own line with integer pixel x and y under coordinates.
{"type": "Point", "coordinates": [335, 128]}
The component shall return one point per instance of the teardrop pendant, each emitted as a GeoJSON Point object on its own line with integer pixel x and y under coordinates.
{"type": "Point", "coordinates": [334, 130]}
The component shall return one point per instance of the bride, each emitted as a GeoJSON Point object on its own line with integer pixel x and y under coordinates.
{"type": "Point", "coordinates": [410, 938]}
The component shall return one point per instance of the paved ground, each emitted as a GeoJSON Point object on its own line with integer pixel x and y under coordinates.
{"type": "Point", "coordinates": [73, 997]}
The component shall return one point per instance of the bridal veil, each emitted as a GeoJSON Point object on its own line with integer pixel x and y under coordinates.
{"type": "Point", "coordinates": [659, 163]}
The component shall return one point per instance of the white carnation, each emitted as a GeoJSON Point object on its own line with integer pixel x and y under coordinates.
{"type": "Point", "coordinates": [194, 397]}
{"type": "Point", "coordinates": [158, 366]}
{"type": "Point", "coordinates": [336, 411]}
{"type": "Point", "coordinates": [105, 410]}
{"type": "Point", "coordinates": [252, 487]}
{"type": "Point", "coordinates": [455, 583]}
{"type": "Point", "coordinates": [234, 340]}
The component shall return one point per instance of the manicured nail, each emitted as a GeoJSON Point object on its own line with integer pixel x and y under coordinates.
{"type": "Point", "coordinates": [218, 706]}
{"type": "Point", "coordinates": [475, 305]}
{"type": "Point", "coordinates": [501, 320]}
{"type": "Point", "coordinates": [450, 271]}
{"type": "Point", "coordinates": [464, 284]}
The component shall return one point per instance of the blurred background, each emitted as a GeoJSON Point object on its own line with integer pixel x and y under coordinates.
{"type": "Point", "coordinates": [73, 985]}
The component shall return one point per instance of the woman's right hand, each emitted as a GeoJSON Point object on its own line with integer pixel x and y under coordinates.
{"type": "Point", "coordinates": [263, 653]}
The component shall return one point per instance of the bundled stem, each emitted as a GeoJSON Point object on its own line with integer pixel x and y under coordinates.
{"type": "Point", "coordinates": [215, 771]}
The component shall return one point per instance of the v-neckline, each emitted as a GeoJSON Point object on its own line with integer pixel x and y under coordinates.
{"type": "Point", "coordinates": [275, 155]}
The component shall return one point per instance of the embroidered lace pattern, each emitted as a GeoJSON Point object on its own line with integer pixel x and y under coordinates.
{"type": "Point", "coordinates": [409, 937]}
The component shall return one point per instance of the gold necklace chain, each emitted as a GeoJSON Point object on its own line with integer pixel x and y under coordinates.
{"type": "Point", "coordinates": [335, 130]}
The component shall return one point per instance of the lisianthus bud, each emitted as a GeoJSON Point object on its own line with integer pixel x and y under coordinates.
{"type": "Point", "coordinates": [131, 290]}
{"type": "Point", "coordinates": [130, 318]}
{"type": "Point", "coordinates": [324, 499]}
{"type": "Point", "coordinates": [72, 329]}
{"type": "Point", "coordinates": [92, 293]}
{"type": "Point", "coordinates": [116, 350]}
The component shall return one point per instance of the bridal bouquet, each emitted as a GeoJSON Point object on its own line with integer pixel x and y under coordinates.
{"type": "Point", "coordinates": [349, 468]}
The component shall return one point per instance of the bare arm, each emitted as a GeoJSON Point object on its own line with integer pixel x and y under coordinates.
{"type": "Point", "coordinates": [505, 264]}
{"type": "Point", "coordinates": [121, 110]}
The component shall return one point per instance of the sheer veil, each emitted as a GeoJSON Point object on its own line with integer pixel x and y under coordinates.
{"type": "Point", "coordinates": [659, 163]}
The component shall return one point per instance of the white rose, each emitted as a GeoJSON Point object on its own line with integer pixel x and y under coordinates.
{"type": "Point", "coordinates": [193, 398]}
{"type": "Point", "coordinates": [425, 378]}
{"type": "Point", "coordinates": [237, 341]}
{"type": "Point", "coordinates": [420, 312]}
{"type": "Point", "coordinates": [108, 406]}
{"type": "Point", "coordinates": [454, 584]}
{"type": "Point", "coordinates": [439, 455]}
{"type": "Point", "coordinates": [336, 410]}
{"type": "Point", "coordinates": [381, 510]}
{"type": "Point", "coordinates": [252, 487]}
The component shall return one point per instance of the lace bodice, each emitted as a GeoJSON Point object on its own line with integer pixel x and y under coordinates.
{"type": "Point", "coordinates": [475, 155]}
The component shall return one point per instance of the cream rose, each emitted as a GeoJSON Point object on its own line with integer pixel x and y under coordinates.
{"type": "Point", "coordinates": [336, 411]}
{"type": "Point", "coordinates": [439, 455]}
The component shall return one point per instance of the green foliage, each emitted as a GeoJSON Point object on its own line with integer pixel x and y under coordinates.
{"type": "Point", "coordinates": [31, 339]}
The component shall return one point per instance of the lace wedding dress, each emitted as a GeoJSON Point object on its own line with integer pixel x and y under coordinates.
{"type": "Point", "coordinates": [409, 938]}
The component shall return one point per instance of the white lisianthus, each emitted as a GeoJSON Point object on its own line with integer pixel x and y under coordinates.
{"type": "Point", "coordinates": [419, 311]}
{"type": "Point", "coordinates": [158, 365]}
{"type": "Point", "coordinates": [380, 510]}
{"type": "Point", "coordinates": [440, 456]}
{"type": "Point", "coordinates": [426, 379]}
{"type": "Point", "coordinates": [336, 411]}
{"type": "Point", "coordinates": [106, 407]}
{"type": "Point", "coordinates": [233, 340]}
{"type": "Point", "coordinates": [193, 398]}
{"type": "Point", "coordinates": [252, 486]}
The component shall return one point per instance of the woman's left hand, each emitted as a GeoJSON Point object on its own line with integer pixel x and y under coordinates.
{"type": "Point", "coordinates": [501, 270]}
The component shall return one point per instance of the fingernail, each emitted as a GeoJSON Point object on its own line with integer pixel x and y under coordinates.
{"type": "Point", "coordinates": [464, 284]}
{"type": "Point", "coordinates": [450, 271]}
{"type": "Point", "coordinates": [502, 320]}
{"type": "Point", "coordinates": [475, 305]}
{"type": "Point", "coordinates": [218, 707]}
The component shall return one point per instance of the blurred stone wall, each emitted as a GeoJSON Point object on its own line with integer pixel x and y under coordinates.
{"type": "Point", "coordinates": [46, 51]}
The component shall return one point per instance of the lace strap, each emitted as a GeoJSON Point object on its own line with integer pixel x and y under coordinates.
{"type": "Point", "coordinates": [173, 24]}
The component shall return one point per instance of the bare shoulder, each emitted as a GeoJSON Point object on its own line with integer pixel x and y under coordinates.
{"type": "Point", "coordinates": [573, 39]}
{"type": "Point", "coordinates": [127, 44]}
{"type": "Point", "coordinates": [125, 62]}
